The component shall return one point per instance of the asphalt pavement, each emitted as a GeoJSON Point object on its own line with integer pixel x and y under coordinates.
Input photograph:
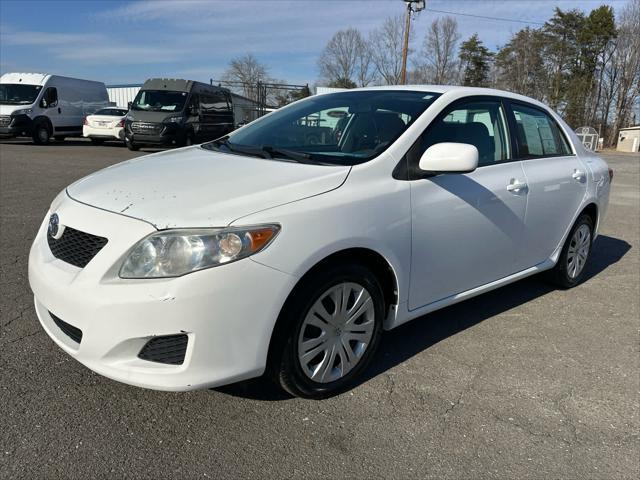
{"type": "Point", "coordinates": [522, 382]}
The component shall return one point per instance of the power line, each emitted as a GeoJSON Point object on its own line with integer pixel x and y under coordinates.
{"type": "Point", "coordinates": [502, 19]}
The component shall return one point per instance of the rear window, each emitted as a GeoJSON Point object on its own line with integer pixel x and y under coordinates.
{"type": "Point", "coordinates": [114, 112]}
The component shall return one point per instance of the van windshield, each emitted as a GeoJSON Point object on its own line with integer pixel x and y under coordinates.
{"type": "Point", "coordinates": [18, 94]}
{"type": "Point", "coordinates": [343, 128]}
{"type": "Point", "coordinates": [159, 101]}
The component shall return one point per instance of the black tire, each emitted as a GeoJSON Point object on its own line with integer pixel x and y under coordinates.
{"type": "Point", "coordinates": [97, 141]}
{"type": "Point", "coordinates": [284, 366]}
{"type": "Point", "coordinates": [59, 138]}
{"type": "Point", "coordinates": [560, 275]}
{"type": "Point", "coordinates": [187, 141]}
{"type": "Point", "coordinates": [130, 145]}
{"type": "Point", "coordinates": [41, 133]}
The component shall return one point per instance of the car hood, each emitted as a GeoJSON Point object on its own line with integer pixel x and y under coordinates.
{"type": "Point", "coordinates": [194, 187]}
{"type": "Point", "coordinates": [9, 109]}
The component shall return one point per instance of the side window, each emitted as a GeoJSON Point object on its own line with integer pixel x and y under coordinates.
{"type": "Point", "coordinates": [537, 134]}
{"type": "Point", "coordinates": [219, 102]}
{"type": "Point", "coordinates": [49, 98]}
{"type": "Point", "coordinates": [194, 104]}
{"type": "Point", "coordinates": [481, 123]}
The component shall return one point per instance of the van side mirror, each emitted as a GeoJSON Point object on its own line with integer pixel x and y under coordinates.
{"type": "Point", "coordinates": [449, 158]}
{"type": "Point", "coordinates": [129, 105]}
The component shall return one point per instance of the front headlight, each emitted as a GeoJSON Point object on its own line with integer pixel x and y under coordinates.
{"type": "Point", "coordinates": [24, 111]}
{"type": "Point", "coordinates": [177, 119]}
{"type": "Point", "coordinates": [172, 253]}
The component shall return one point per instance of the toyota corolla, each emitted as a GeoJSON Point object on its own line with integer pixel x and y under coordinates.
{"type": "Point", "coordinates": [288, 246]}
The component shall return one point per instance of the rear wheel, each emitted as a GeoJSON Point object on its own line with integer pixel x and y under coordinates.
{"type": "Point", "coordinates": [41, 133]}
{"type": "Point", "coordinates": [571, 266]}
{"type": "Point", "coordinates": [332, 327]}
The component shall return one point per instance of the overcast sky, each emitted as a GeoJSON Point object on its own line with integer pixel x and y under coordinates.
{"type": "Point", "coordinates": [127, 42]}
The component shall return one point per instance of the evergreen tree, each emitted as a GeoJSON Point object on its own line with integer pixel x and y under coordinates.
{"type": "Point", "coordinates": [475, 61]}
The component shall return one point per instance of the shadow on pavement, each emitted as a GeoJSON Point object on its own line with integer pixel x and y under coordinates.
{"type": "Point", "coordinates": [402, 343]}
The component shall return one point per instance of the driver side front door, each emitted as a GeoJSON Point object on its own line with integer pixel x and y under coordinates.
{"type": "Point", "coordinates": [467, 228]}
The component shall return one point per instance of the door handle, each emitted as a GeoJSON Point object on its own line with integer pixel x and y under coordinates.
{"type": "Point", "coordinates": [516, 186]}
{"type": "Point", "coordinates": [59, 110]}
{"type": "Point", "coordinates": [578, 175]}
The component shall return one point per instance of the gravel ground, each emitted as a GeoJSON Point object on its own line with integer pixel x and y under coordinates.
{"type": "Point", "coordinates": [523, 382]}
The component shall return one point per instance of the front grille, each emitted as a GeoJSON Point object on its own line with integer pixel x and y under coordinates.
{"type": "Point", "coordinates": [146, 128]}
{"type": "Point", "coordinates": [168, 349]}
{"type": "Point", "coordinates": [76, 247]}
{"type": "Point", "coordinates": [70, 331]}
{"type": "Point", "coordinates": [5, 120]}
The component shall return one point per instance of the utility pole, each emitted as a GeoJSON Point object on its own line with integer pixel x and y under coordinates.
{"type": "Point", "coordinates": [412, 6]}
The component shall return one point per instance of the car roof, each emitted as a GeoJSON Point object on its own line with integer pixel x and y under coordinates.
{"type": "Point", "coordinates": [455, 91]}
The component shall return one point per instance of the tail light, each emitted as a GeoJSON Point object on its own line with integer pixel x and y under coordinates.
{"type": "Point", "coordinates": [85, 121]}
{"type": "Point", "coordinates": [120, 123]}
{"type": "Point", "coordinates": [610, 175]}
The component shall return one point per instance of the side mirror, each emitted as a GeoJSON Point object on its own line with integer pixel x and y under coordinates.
{"type": "Point", "coordinates": [449, 158]}
{"type": "Point", "coordinates": [129, 105]}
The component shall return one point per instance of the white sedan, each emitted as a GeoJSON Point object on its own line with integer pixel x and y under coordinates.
{"type": "Point", "coordinates": [287, 247]}
{"type": "Point", "coordinates": [105, 124]}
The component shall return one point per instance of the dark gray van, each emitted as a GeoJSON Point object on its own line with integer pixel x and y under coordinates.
{"type": "Point", "coordinates": [168, 112]}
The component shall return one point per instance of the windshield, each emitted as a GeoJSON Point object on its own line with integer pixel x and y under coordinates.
{"type": "Point", "coordinates": [114, 112]}
{"type": "Point", "coordinates": [343, 128]}
{"type": "Point", "coordinates": [159, 101]}
{"type": "Point", "coordinates": [18, 94]}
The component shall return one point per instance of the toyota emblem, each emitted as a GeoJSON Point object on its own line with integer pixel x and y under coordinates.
{"type": "Point", "coordinates": [54, 222]}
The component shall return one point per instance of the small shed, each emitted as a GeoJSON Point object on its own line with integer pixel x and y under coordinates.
{"type": "Point", "coordinates": [629, 139]}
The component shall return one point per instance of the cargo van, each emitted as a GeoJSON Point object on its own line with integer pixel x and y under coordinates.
{"type": "Point", "coordinates": [44, 106]}
{"type": "Point", "coordinates": [175, 112]}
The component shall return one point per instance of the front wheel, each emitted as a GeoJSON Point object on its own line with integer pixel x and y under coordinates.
{"type": "Point", "coordinates": [130, 145]}
{"type": "Point", "coordinates": [332, 328]}
{"type": "Point", "coordinates": [571, 267]}
{"type": "Point", "coordinates": [41, 133]}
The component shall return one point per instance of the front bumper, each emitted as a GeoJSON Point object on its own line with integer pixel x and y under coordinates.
{"type": "Point", "coordinates": [227, 312]}
{"type": "Point", "coordinates": [163, 135]}
{"type": "Point", "coordinates": [15, 126]}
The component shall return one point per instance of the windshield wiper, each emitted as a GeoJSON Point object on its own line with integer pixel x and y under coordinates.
{"type": "Point", "coordinates": [299, 157]}
{"type": "Point", "coordinates": [267, 151]}
{"type": "Point", "coordinates": [256, 152]}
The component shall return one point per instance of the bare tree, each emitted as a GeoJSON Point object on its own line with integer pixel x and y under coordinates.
{"type": "Point", "coordinates": [385, 45]}
{"type": "Point", "coordinates": [248, 71]}
{"type": "Point", "coordinates": [437, 63]}
{"type": "Point", "coordinates": [346, 57]}
{"type": "Point", "coordinates": [520, 67]}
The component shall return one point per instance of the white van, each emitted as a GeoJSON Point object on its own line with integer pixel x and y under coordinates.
{"type": "Point", "coordinates": [43, 106]}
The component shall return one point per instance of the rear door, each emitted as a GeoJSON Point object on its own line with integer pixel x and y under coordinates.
{"type": "Point", "coordinates": [466, 228]}
{"type": "Point", "coordinates": [556, 179]}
